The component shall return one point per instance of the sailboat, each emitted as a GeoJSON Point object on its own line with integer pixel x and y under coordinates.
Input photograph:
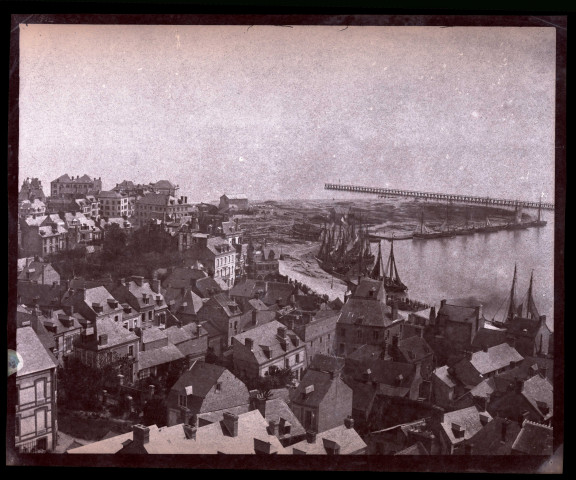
{"type": "Point", "coordinates": [517, 224]}
{"type": "Point", "coordinates": [468, 227]}
{"type": "Point", "coordinates": [445, 227]}
{"type": "Point", "coordinates": [389, 274]}
{"type": "Point", "coordinates": [511, 309]}
{"type": "Point", "coordinates": [539, 222]}
{"type": "Point", "coordinates": [424, 232]}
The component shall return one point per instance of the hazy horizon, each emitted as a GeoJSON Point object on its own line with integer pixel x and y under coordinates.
{"type": "Point", "coordinates": [277, 112]}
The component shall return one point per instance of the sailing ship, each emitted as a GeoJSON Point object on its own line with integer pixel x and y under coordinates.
{"type": "Point", "coordinates": [517, 223]}
{"type": "Point", "coordinates": [424, 232]}
{"type": "Point", "coordinates": [525, 309]}
{"type": "Point", "coordinates": [389, 274]}
{"type": "Point", "coordinates": [539, 222]}
{"type": "Point", "coordinates": [468, 228]}
{"type": "Point", "coordinates": [345, 249]}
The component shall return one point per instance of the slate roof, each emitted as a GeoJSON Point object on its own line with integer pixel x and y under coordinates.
{"type": "Point", "coordinates": [537, 391]}
{"type": "Point", "coordinates": [117, 335]}
{"type": "Point", "coordinates": [347, 439]}
{"type": "Point", "coordinates": [89, 297]}
{"type": "Point", "coordinates": [416, 449]}
{"type": "Point", "coordinates": [183, 277]}
{"type": "Point", "coordinates": [363, 395]}
{"type": "Point", "coordinates": [152, 334]}
{"type": "Point", "coordinates": [161, 199]}
{"type": "Point", "coordinates": [326, 363]}
{"type": "Point", "coordinates": [132, 293]}
{"type": "Point", "coordinates": [202, 376]}
{"type": "Point", "coordinates": [48, 294]}
{"type": "Point", "coordinates": [159, 356]}
{"type": "Point", "coordinates": [524, 327]}
{"type": "Point", "coordinates": [35, 357]}
{"type": "Point", "coordinates": [33, 271]}
{"type": "Point", "coordinates": [276, 409]}
{"type": "Point", "coordinates": [187, 303]}
{"type": "Point", "coordinates": [414, 348]}
{"type": "Point", "coordinates": [386, 372]}
{"type": "Point", "coordinates": [266, 335]}
{"type": "Point", "coordinates": [110, 445]}
{"type": "Point", "coordinates": [366, 286]}
{"type": "Point", "coordinates": [458, 313]}
{"type": "Point", "coordinates": [488, 440]}
{"type": "Point", "coordinates": [367, 312]}
{"type": "Point", "coordinates": [470, 372]}
{"type": "Point", "coordinates": [257, 304]}
{"type": "Point", "coordinates": [488, 337]}
{"type": "Point", "coordinates": [466, 418]}
{"type": "Point", "coordinates": [205, 287]}
{"type": "Point", "coordinates": [110, 194]}
{"type": "Point", "coordinates": [442, 374]}
{"type": "Point", "coordinates": [534, 439]}
{"type": "Point", "coordinates": [321, 381]}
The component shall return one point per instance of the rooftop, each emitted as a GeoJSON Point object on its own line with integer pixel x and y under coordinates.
{"type": "Point", "coordinates": [466, 419]}
{"type": "Point", "coordinates": [35, 357]}
{"type": "Point", "coordinates": [346, 438]}
{"type": "Point", "coordinates": [159, 356]}
{"type": "Point", "coordinates": [534, 439]}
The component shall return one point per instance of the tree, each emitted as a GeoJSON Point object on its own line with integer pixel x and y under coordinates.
{"type": "Point", "coordinates": [114, 242]}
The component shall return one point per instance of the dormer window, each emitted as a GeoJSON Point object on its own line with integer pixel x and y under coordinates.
{"type": "Point", "coordinates": [182, 400]}
{"type": "Point", "coordinates": [218, 387]}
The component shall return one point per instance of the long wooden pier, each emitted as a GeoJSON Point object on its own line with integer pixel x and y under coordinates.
{"type": "Point", "coordinates": [487, 201]}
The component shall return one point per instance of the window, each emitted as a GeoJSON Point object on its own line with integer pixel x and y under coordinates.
{"type": "Point", "coordinates": [116, 318]}
{"type": "Point", "coordinates": [40, 420]}
{"type": "Point", "coordinates": [359, 334]}
{"type": "Point", "coordinates": [218, 387]}
{"type": "Point", "coordinates": [40, 386]}
{"type": "Point", "coordinates": [297, 358]}
{"type": "Point", "coordinates": [375, 334]}
{"type": "Point", "coordinates": [17, 426]}
{"type": "Point", "coordinates": [150, 312]}
{"type": "Point", "coordinates": [182, 400]}
{"type": "Point", "coordinates": [131, 350]}
{"type": "Point", "coordinates": [143, 317]}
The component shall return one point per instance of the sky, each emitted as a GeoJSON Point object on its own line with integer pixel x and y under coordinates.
{"type": "Point", "coordinates": [277, 112]}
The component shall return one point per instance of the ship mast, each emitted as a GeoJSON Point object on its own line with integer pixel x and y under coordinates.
{"type": "Point", "coordinates": [511, 306]}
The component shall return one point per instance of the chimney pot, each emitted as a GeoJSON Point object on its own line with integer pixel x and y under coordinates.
{"type": "Point", "coordinates": [140, 434]}
{"type": "Point", "coordinates": [311, 436]}
{"type": "Point", "coordinates": [349, 422]}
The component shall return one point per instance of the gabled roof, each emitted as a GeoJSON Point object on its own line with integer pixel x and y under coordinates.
{"type": "Point", "coordinates": [366, 312]}
{"type": "Point", "coordinates": [442, 374]}
{"type": "Point", "coordinates": [346, 438]}
{"type": "Point", "coordinates": [162, 199]}
{"type": "Point", "coordinates": [319, 383]}
{"type": "Point", "coordinates": [110, 194]}
{"type": "Point", "coordinates": [159, 356]}
{"type": "Point", "coordinates": [534, 439]}
{"type": "Point", "coordinates": [368, 288]}
{"type": "Point", "coordinates": [63, 178]}
{"type": "Point", "coordinates": [265, 338]}
{"type": "Point", "coordinates": [201, 376]}
{"type": "Point", "coordinates": [35, 357]}
{"type": "Point", "coordinates": [363, 394]}
{"type": "Point", "coordinates": [110, 445]}
{"type": "Point", "coordinates": [539, 392]}
{"type": "Point", "coordinates": [206, 287]}
{"type": "Point", "coordinates": [33, 272]}
{"type": "Point", "coordinates": [468, 419]}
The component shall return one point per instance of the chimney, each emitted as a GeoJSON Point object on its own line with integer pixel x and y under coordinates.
{"type": "Point", "coordinates": [102, 339]}
{"type": "Point", "coordinates": [349, 422]}
{"type": "Point", "coordinates": [442, 303]}
{"type": "Point", "coordinates": [394, 309]}
{"type": "Point", "coordinates": [458, 430]}
{"type": "Point", "coordinates": [484, 418]}
{"type": "Point", "coordinates": [262, 447]}
{"type": "Point", "coordinates": [273, 428]}
{"type": "Point", "coordinates": [140, 434]}
{"type": "Point", "coordinates": [254, 317]}
{"type": "Point", "coordinates": [261, 405]}
{"type": "Point", "coordinates": [231, 422]}
{"type": "Point", "coordinates": [249, 343]}
{"type": "Point", "coordinates": [155, 285]}
{"type": "Point", "coordinates": [311, 436]}
{"type": "Point", "coordinates": [504, 430]}
{"type": "Point", "coordinates": [138, 280]}
{"type": "Point", "coordinates": [190, 431]}
{"type": "Point", "coordinates": [282, 332]}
